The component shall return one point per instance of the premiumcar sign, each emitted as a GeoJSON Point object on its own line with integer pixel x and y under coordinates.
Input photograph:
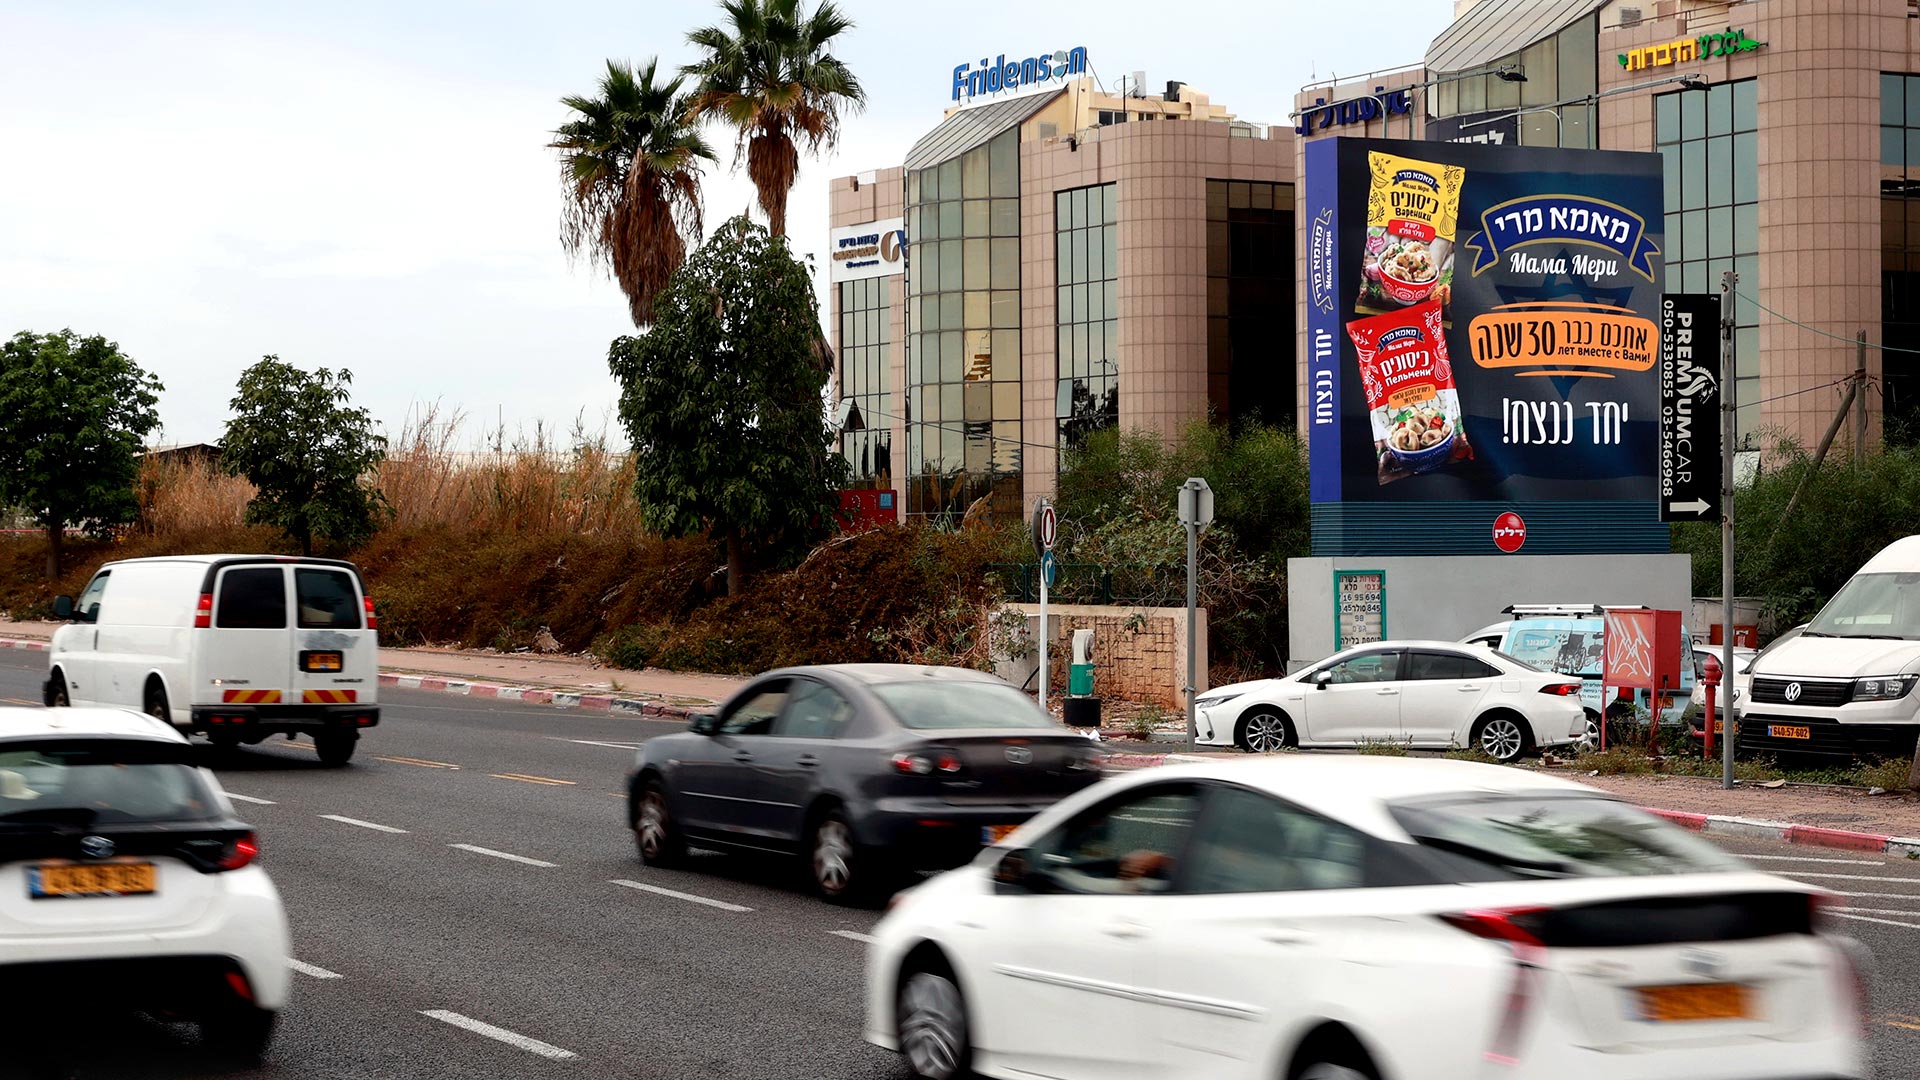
{"type": "Point", "coordinates": [1483, 337]}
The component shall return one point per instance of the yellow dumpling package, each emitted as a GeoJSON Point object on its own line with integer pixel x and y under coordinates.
{"type": "Point", "coordinates": [1413, 199]}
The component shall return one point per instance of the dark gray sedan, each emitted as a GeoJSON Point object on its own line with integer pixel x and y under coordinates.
{"type": "Point", "coordinates": [866, 770]}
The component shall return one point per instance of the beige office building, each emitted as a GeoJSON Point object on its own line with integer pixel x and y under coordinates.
{"type": "Point", "coordinates": [1074, 259]}
{"type": "Point", "coordinates": [1791, 132]}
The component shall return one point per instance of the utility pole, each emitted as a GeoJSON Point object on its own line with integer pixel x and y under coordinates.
{"type": "Point", "coordinates": [1729, 384]}
{"type": "Point", "coordinates": [1860, 403]}
{"type": "Point", "coordinates": [1196, 513]}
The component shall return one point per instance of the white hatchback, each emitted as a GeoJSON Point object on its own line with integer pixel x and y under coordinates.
{"type": "Point", "coordinates": [125, 878]}
{"type": "Point", "coordinates": [1426, 694]}
{"type": "Point", "coordinates": [1354, 918]}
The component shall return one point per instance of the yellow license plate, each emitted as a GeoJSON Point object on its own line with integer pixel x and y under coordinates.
{"type": "Point", "coordinates": [993, 834]}
{"type": "Point", "coordinates": [1694, 1001]}
{"type": "Point", "coordinates": [1789, 731]}
{"type": "Point", "coordinates": [49, 880]}
{"type": "Point", "coordinates": [321, 661]}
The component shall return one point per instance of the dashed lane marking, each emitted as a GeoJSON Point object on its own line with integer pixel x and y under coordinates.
{"type": "Point", "coordinates": [1879, 911]}
{"type": "Point", "coordinates": [525, 779]}
{"type": "Point", "coordinates": [249, 799]}
{"type": "Point", "coordinates": [1872, 919]}
{"type": "Point", "coordinates": [312, 970]}
{"type": "Point", "coordinates": [591, 742]}
{"type": "Point", "coordinates": [362, 824]}
{"type": "Point", "coordinates": [511, 1038]}
{"type": "Point", "coordinates": [678, 895]}
{"type": "Point", "coordinates": [854, 935]}
{"type": "Point", "coordinates": [1805, 859]}
{"type": "Point", "coordinates": [420, 762]}
{"type": "Point", "coordinates": [502, 855]}
{"type": "Point", "coordinates": [1855, 877]}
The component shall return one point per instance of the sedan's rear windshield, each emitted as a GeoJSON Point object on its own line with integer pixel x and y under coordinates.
{"type": "Point", "coordinates": [952, 703]}
{"type": "Point", "coordinates": [1555, 836]}
{"type": "Point", "coordinates": [99, 782]}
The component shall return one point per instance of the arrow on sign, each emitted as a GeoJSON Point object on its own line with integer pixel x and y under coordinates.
{"type": "Point", "coordinates": [1697, 506]}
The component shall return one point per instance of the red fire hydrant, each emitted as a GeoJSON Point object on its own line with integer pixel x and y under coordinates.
{"type": "Point", "coordinates": [1711, 678]}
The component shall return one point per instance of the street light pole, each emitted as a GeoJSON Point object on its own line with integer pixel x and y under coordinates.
{"type": "Point", "coordinates": [1729, 384]}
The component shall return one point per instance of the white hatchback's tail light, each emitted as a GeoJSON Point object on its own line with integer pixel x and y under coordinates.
{"type": "Point", "coordinates": [1508, 926]}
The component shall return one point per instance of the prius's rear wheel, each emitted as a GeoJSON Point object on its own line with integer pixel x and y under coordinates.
{"type": "Point", "coordinates": [933, 1026]}
{"type": "Point", "coordinates": [335, 748]}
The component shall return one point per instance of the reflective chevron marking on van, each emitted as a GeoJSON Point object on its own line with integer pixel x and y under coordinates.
{"type": "Point", "coordinates": [329, 697]}
{"type": "Point", "coordinates": [250, 697]}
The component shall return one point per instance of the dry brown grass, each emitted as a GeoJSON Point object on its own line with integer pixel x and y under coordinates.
{"type": "Point", "coordinates": [180, 497]}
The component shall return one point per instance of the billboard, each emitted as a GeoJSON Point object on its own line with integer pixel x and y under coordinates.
{"type": "Point", "coordinates": [1483, 341]}
{"type": "Point", "coordinates": [1690, 464]}
{"type": "Point", "coordinates": [875, 249]}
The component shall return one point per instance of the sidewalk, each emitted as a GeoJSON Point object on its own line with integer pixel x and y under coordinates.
{"type": "Point", "coordinates": [567, 675]}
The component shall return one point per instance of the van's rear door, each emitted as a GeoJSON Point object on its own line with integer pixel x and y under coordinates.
{"type": "Point", "coordinates": [333, 650]}
{"type": "Point", "coordinates": [245, 659]}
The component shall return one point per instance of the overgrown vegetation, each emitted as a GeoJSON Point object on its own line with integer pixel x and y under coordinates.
{"type": "Point", "coordinates": [309, 453]}
{"type": "Point", "coordinates": [1117, 496]}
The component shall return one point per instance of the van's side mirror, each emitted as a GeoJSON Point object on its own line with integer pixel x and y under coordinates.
{"type": "Point", "coordinates": [63, 607]}
{"type": "Point", "coordinates": [1321, 679]}
{"type": "Point", "coordinates": [705, 723]}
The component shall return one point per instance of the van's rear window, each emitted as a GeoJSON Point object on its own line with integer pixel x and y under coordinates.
{"type": "Point", "coordinates": [252, 598]}
{"type": "Point", "coordinates": [328, 600]}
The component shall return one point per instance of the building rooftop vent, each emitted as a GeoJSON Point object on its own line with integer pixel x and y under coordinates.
{"type": "Point", "coordinates": [1173, 90]}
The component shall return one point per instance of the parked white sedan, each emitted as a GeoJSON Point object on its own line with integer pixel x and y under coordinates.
{"type": "Point", "coordinates": [1360, 918]}
{"type": "Point", "coordinates": [1429, 694]}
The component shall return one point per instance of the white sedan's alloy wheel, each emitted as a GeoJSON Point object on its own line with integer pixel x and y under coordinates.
{"type": "Point", "coordinates": [1502, 738]}
{"type": "Point", "coordinates": [933, 1026]}
{"type": "Point", "coordinates": [1266, 732]}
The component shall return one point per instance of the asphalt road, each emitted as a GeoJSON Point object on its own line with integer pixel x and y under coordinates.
{"type": "Point", "coordinates": [457, 912]}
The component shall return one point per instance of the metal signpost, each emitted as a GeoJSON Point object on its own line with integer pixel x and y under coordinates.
{"type": "Point", "coordinates": [1046, 527]}
{"type": "Point", "coordinates": [1196, 513]}
{"type": "Point", "coordinates": [1727, 419]}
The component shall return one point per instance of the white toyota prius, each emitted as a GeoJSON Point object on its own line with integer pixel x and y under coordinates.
{"type": "Point", "coordinates": [1320, 918]}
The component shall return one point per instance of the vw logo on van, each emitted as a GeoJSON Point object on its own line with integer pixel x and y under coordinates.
{"type": "Point", "coordinates": [1792, 692]}
{"type": "Point", "coordinates": [96, 847]}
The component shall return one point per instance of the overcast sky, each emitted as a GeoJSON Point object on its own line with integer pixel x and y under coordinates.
{"type": "Point", "coordinates": [366, 184]}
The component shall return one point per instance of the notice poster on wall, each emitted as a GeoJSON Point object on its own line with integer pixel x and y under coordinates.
{"type": "Point", "coordinates": [1360, 607]}
{"type": "Point", "coordinates": [1483, 328]}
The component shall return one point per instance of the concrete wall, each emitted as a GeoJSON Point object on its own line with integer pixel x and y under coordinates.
{"type": "Point", "coordinates": [1448, 598]}
{"type": "Point", "coordinates": [1139, 654]}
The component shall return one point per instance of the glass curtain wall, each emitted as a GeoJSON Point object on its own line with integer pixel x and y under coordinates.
{"type": "Point", "coordinates": [1560, 68]}
{"type": "Point", "coordinates": [1712, 151]}
{"type": "Point", "coordinates": [1250, 310]}
{"type": "Point", "coordinates": [1087, 274]}
{"type": "Point", "coordinates": [963, 332]}
{"type": "Point", "coordinates": [864, 337]}
{"type": "Point", "coordinates": [1900, 254]}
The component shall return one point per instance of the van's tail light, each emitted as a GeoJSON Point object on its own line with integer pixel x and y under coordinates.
{"type": "Point", "coordinates": [241, 852]}
{"type": "Point", "coordinates": [373, 623]}
{"type": "Point", "coordinates": [1565, 689]}
{"type": "Point", "coordinates": [1509, 926]}
{"type": "Point", "coordinates": [203, 613]}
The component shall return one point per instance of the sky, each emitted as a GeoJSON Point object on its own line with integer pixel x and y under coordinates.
{"type": "Point", "coordinates": [367, 185]}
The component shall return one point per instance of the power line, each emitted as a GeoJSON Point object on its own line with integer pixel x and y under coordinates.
{"type": "Point", "coordinates": [1823, 333]}
{"type": "Point", "coordinates": [1797, 393]}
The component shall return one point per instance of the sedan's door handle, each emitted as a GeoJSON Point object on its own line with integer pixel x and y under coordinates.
{"type": "Point", "coordinates": [742, 755]}
{"type": "Point", "coordinates": [1125, 931]}
{"type": "Point", "coordinates": [1470, 689]}
{"type": "Point", "coordinates": [808, 760]}
{"type": "Point", "coordinates": [1287, 937]}
{"type": "Point", "coordinates": [1386, 691]}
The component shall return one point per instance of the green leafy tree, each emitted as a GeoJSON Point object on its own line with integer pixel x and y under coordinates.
{"type": "Point", "coordinates": [74, 412]}
{"type": "Point", "coordinates": [630, 167]}
{"type": "Point", "coordinates": [722, 400]}
{"type": "Point", "coordinates": [309, 454]}
{"type": "Point", "coordinates": [769, 75]}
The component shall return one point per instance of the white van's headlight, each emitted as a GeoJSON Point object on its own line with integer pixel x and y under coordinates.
{"type": "Point", "coordinates": [1886, 688]}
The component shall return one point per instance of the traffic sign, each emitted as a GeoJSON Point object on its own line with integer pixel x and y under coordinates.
{"type": "Point", "coordinates": [1196, 503]}
{"type": "Point", "coordinates": [1046, 526]}
{"type": "Point", "coordinates": [1047, 568]}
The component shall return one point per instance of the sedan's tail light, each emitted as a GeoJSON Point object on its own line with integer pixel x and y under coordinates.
{"type": "Point", "coordinates": [1565, 689]}
{"type": "Point", "coordinates": [241, 852]}
{"type": "Point", "coordinates": [926, 762]}
{"type": "Point", "coordinates": [912, 764]}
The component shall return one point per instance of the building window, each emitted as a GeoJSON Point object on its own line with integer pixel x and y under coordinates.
{"type": "Point", "coordinates": [1250, 308]}
{"type": "Point", "coordinates": [1712, 151]}
{"type": "Point", "coordinates": [963, 332]}
{"type": "Point", "coordinates": [1900, 254]}
{"type": "Point", "coordinates": [1561, 67]}
{"type": "Point", "coordinates": [864, 336]}
{"type": "Point", "coordinates": [1087, 320]}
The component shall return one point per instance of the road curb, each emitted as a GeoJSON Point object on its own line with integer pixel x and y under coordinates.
{"type": "Point", "coordinates": [24, 643]}
{"type": "Point", "coordinates": [1714, 824]}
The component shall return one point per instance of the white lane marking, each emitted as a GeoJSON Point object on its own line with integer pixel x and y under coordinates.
{"type": "Point", "coordinates": [1803, 858]}
{"type": "Point", "coordinates": [511, 1038]}
{"type": "Point", "coordinates": [248, 798]}
{"type": "Point", "coordinates": [1878, 911]}
{"type": "Point", "coordinates": [502, 855]}
{"type": "Point", "coordinates": [1856, 877]}
{"type": "Point", "coordinates": [1915, 897]}
{"type": "Point", "coordinates": [677, 895]}
{"type": "Point", "coordinates": [1882, 922]}
{"type": "Point", "coordinates": [362, 824]}
{"type": "Point", "coordinates": [590, 742]}
{"type": "Point", "coordinates": [852, 935]}
{"type": "Point", "coordinates": [311, 970]}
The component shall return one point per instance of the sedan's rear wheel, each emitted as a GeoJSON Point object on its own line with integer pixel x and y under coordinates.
{"type": "Point", "coordinates": [654, 830]}
{"type": "Point", "coordinates": [1502, 737]}
{"type": "Point", "coordinates": [933, 1027]}
{"type": "Point", "coordinates": [1264, 731]}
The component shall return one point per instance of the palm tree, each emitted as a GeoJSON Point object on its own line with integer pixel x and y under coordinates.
{"type": "Point", "coordinates": [630, 167]}
{"type": "Point", "coordinates": [769, 75]}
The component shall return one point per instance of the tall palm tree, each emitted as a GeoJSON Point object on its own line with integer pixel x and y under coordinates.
{"type": "Point", "coordinates": [630, 167]}
{"type": "Point", "coordinates": [769, 75]}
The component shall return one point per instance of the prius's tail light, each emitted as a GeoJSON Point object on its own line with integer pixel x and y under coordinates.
{"type": "Point", "coordinates": [1513, 927]}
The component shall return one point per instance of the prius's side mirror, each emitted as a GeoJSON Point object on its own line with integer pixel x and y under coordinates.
{"type": "Point", "coordinates": [63, 607]}
{"type": "Point", "coordinates": [1322, 679]}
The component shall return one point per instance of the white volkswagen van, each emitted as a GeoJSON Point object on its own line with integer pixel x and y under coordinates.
{"type": "Point", "coordinates": [1843, 687]}
{"type": "Point", "coordinates": [238, 647]}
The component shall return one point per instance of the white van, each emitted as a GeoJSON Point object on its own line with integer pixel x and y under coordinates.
{"type": "Point", "coordinates": [239, 647]}
{"type": "Point", "coordinates": [1843, 686]}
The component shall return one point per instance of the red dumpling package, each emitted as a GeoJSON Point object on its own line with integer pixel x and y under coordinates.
{"type": "Point", "coordinates": [1411, 397]}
